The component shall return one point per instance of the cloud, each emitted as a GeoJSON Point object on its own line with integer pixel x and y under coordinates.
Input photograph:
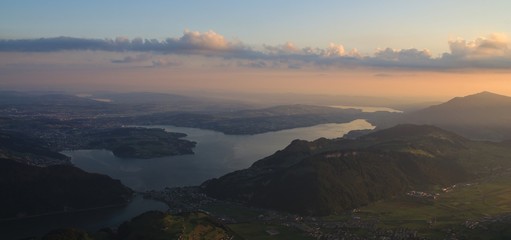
{"type": "Point", "coordinates": [337, 50]}
{"type": "Point", "coordinates": [490, 52]}
{"type": "Point", "coordinates": [294, 66]}
{"type": "Point", "coordinates": [286, 48]}
{"type": "Point", "coordinates": [54, 44]}
{"type": "Point", "coordinates": [412, 54]}
{"type": "Point", "coordinates": [208, 40]}
{"type": "Point", "coordinates": [161, 62]}
{"type": "Point", "coordinates": [495, 45]}
{"type": "Point", "coordinates": [190, 42]}
{"type": "Point", "coordinates": [254, 64]}
{"type": "Point", "coordinates": [400, 58]}
{"type": "Point", "coordinates": [133, 59]}
{"type": "Point", "coordinates": [145, 59]}
{"type": "Point", "coordinates": [383, 75]}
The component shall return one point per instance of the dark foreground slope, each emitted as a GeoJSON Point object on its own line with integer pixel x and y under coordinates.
{"type": "Point", "coordinates": [156, 225]}
{"type": "Point", "coordinates": [326, 176]}
{"type": "Point", "coordinates": [29, 190]}
{"type": "Point", "coordinates": [34, 181]}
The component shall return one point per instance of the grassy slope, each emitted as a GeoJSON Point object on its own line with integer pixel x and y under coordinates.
{"type": "Point", "coordinates": [488, 197]}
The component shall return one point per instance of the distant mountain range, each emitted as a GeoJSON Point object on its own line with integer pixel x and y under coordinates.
{"type": "Point", "coordinates": [13, 98]}
{"type": "Point", "coordinates": [485, 116]}
{"type": "Point", "coordinates": [328, 176]}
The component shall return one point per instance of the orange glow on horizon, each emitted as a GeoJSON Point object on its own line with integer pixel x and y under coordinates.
{"type": "Point", "coordinates": [93, 71]}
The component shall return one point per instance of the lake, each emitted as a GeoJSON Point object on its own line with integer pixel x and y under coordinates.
{"type": "Point", "coordinates": [368, 109]}
{"type": "Point", "coordinates": [215, 155]}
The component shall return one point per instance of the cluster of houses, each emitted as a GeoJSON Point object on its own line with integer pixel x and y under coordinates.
{"type": "Point", "coordinates": [422, 195]}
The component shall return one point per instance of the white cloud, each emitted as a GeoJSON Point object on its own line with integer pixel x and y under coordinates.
{"type": "Point", "coordinates": [207, 40]}
{"type": "Point", "coordinates": [494, 45]}
{"type": "Point", "coordinates": [336, 50]}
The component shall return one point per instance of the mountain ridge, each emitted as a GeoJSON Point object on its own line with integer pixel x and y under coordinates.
{"type": "Point", "coordinates": [327, 176]}
{"type": "Point", "coordinates": [483, 115]}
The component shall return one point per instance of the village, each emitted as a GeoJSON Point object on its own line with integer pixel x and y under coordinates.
{"type": "Point", "coordinates": [192, 199]}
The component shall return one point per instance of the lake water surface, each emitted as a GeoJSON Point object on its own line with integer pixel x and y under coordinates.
{"type": "Point", "coordinates": [368, 109]}
{"type": "Point", "coordinates": [215, 155]}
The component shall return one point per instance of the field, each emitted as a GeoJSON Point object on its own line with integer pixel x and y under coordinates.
{"type": "Point", "coordinates": [477, 201]}
{"type": "Point", "coordinates": [247, 222]}
{"type": "Point", "coordinates": [255, 231]}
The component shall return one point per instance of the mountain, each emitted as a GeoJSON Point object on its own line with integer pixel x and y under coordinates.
{"type": "Point", "coordinates": [54, 105]}
{"type": "Point", "coordinates": [158, 225]}
{"type": "Point", "coordinates": [31, 190]}
{"type": "Point", "coordinates": [290, 110]}
{"type": "Point", "coordinates": [12, 98]}
{"type": "Point", "coordinates": [480, 116]}
{"type": "Point", "coordinates": [35, 180]}
{"type": "Point", "coordinates": [328, 176]}
{"type": "Point", "coordinates": [155, 225]}
{"type": "Point", "coordinates": [141, 97]}
{"type": "Point", "coordinates": [28, 151]}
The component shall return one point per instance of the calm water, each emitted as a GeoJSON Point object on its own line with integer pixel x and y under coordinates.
{"type": "Point", "coordinates": [368, 109]}
{"type": "Point", "coordinates": [215, 155]}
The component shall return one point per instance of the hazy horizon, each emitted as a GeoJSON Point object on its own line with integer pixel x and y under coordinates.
{"type": "Point", "coordinates": [261, 99]}
{"type": "Point", "coordinates": [435, 50]}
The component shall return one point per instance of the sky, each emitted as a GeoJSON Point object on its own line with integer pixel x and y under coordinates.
{"type": "Point", "coordinates": [378, 48]}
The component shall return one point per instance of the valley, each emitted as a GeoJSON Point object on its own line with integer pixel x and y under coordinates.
{"type": "Point", "coordinates": [407, 181]}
